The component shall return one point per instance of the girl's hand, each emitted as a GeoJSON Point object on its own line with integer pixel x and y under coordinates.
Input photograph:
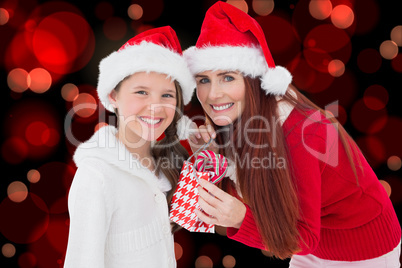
{"type": "Point", "coordinates": [201, 135]}
{"type": "Point", "coordinates": [222, 208]}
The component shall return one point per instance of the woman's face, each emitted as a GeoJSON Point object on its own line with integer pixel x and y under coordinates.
{"type": "Point", "coordinates": [146, 104]}
{"type": "Point", "coordinates": [222, 95]}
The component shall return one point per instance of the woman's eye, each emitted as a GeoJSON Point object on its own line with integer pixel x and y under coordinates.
{"type": "Point", "coordinates": [141, 92]}
{"type": "Point", "coordinates": [203, 80]}
{"type": "Point", "coordinates": [228, 78]}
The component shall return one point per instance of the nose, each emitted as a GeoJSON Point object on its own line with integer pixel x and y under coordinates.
{"type": "Point", "coordinates": [155, 104]}
{"type": "Point", "coordinates": [215, 91]}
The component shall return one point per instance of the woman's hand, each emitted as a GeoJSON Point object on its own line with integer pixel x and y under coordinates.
{"type": "Point", "coordinates": [201, 135]}
{"type": "Point", "coordinates": [222, 208]}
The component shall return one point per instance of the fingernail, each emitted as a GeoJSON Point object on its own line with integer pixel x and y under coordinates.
{"type": "Point", "coordinates": [214, 135]}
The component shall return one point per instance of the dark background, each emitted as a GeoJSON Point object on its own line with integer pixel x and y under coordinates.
{"type": "Point", "coordinates": [33, 131]}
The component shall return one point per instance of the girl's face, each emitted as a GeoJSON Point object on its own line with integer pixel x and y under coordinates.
{"type": "Point", "coordinates": [146, 104]}
{"type": "Point", "coordinates": [222, 95]}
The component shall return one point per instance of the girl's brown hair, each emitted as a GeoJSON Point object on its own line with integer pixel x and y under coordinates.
{"type": "Point", "coordinates": [270, 193]}
{"type": "Point", "coordinates": [168, 152]}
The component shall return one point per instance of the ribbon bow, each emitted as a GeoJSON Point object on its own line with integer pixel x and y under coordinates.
{"type": "Point", "coordinates": [216, 164]}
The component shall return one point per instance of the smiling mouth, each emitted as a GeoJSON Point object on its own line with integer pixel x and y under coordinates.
{"type": "Point", "coordinates": [222, 107]}
{"type": "Point", "coordinates": [150, 121]}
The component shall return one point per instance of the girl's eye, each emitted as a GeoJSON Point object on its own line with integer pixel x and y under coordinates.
{"type": "Point", "coordinates": [141, 92]}
{"type": "Point", "coordinates": [228, 78]}
{"type": "Point", "coordinates": [203, 80]}
{"type": "Point", "coordinates": [167, 95]}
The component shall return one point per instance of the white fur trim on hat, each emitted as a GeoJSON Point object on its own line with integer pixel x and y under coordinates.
{"type": "Point", "coordinates": [248, 60]}
{"type": "Point", "coordinates": [276, 81]}
{"type": "Point", "coordinates": [144, 57]}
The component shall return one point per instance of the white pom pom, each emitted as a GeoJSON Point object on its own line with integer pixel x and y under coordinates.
{"type": "Point", "coordinates": [184, 128]}
{"type": "Point", "coordinates": [276, 81]}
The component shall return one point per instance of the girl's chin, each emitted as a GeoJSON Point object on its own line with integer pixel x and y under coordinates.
{"type": "Point", "coordinates": [151, 136]}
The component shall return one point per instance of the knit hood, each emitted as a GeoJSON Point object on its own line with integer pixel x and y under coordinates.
{"type": "Point", "coordinates": [105, 146]}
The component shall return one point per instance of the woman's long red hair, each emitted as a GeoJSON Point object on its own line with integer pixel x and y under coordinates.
{"type": "Point", "coordinates": [269, 192]}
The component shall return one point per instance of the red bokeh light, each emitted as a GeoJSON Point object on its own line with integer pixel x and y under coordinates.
{"type": "Point", "coordinates": [375, 97]}
{"type": "Point", "coordinates": [4, 16]}
{"type": "Point", "coordinates": [396, 186]}
{"type": "Point", "coordinates": [24, 222]}
{"type": "Point", "coordinates": [45, 253]}
{"type": "Point", "coordinates": [56, 37]}
{"type": "Point", "coordinates": [152, 9]}
{"type": "Point", "coordinates": [307, 78]}
{"type": "Point", "coordinates": [115, 28]}
{"type": "Point", "coordinates": [390, 134]}
{"type": "Point", "coordinates": [343, 89]}
{"type": "Point", "coordinates": [40, 80]}
{"type": "Point", "coordinates": [212, 251]}
{"type": "Point", "coordinates": [18, 80]}
{"type": "Point", "coordinates": [27, 260]}
{"type": "Point", "coordinates": [63, 42]}
{"type": "Point", "coordinates": [302, 21]}
{"type": "Point", "coordinates": [320, 9]}
{"type": "Point", "coordinates": [336, 68]}
{"type": "Point", "coordinates": [135, 12]}
{"type": "Point", "coordinates": [56, 176]}
{"type": "Point", "coordinates": [14, 150]}
{"type": "Point", "coordinates": [264, 7]}
{"type": "Point", "coordinates": [365, 119]}
{"type": "Point", "coordinates": [367, 15]}
{"type": "Point", "coordinates": [338, 111]}
{"type": "Point", "coordinates": [318, 59]}
{"type": "Point", "coordinates": [38, 144]}
{"type": "Point", "coordinates": [303, 75]}
{"type": "Point", "coordinates": [325, 43]}
{"type": "Point", "coordinates": [369, 60]}
{"type": "Point", "coordinates": [281, 38]}
{"type": "Point", "coordinates": [85, 105]}
{"type": "Point", "coordinates": [19, 52]}
{"type": "Point", "coordinates": [50, 137]}
{"type": "Point", "coordinates": [104, 10]}
{"type": "Point", "coordinates": [386, 186]}
{"type": "Point", "coordinates": [342, 16]}
{"type": "Point", "coordinates": [38, 133]}
{"type": "Point", "coordinates": [389, 49]}
{"type": "Point", "coordinates": [397, 63]}
{"type": "Point", "coordinates": [34, 132]}
{"type": "Point", "coordinates": [373, 149]}
{"type": "Point", "coordinates": [57, 232]}
{"type": "Point", "coordinates": [240, 4]}
{"type": "Point", "coordinates": [100, 125]}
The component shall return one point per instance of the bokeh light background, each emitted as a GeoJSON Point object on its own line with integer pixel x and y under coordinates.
{"type": "Point", "coordinates": [344, 54]}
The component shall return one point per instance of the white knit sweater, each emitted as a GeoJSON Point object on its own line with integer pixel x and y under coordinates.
{"type": "Point", "coordinates": [118, 210]}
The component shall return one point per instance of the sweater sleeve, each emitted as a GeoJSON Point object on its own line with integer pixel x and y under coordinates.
{"type": "Point", "coordinates": [247, 233]}
{"type": "Point", "coordinates": [88, 220]}
{"type": "Point", "coordinates": [307, 160]}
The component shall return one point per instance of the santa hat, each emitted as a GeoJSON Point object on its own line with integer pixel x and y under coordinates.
{"type": "Point", "coordinates": [232, 40]}
{"type": "Point", "coordinates": [156, 50]}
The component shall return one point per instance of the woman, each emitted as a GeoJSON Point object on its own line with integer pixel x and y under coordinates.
{"type": "Point", "coordinates": [118, 201]}
{"type": "Point", "coordinates": [300, 187]}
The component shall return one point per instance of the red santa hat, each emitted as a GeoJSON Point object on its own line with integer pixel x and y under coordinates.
{"type": "Point", "coordinates": [156, 50]}
{"type": "Point", "coordinates": [232, 40]}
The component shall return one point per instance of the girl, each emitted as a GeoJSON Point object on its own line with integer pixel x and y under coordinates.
{"type": "Point", "coordinates": [118, 199]}
{"type": "Point", "coordinates": [306, 190]}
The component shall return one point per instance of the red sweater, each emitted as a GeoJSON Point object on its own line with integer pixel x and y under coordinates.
{"type": "Point", "coordinates": [339, 220]}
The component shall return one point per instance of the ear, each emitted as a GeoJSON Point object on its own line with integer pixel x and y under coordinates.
{"type": "Point", "coordinates": [113, 98]}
